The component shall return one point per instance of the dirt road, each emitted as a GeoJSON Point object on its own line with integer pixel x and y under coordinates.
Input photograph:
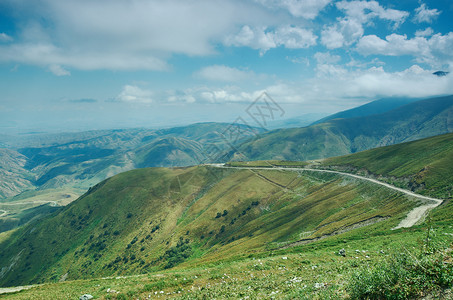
{"type": "Point", "coordinates": [413, 216]}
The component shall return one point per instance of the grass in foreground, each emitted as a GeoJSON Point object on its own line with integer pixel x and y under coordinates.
{"type": "Point", "coordinates": [393, 266]}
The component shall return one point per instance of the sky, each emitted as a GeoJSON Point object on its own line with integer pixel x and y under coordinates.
{"type": "Point", "coordinates": [94, 64]}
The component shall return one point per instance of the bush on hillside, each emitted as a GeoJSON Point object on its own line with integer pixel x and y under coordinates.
{"type": "Point", "coordinates": [403, 276]}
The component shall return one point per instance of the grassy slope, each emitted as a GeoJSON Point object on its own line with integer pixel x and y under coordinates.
{"type": "Point", "coordinates": [339, 137]}
{"type": "Point", "coordinates": [371, 108]}
{"type": "Point", "coordinates": [423, 165]}
{"type": "Point", "coordinates": [132, 222]}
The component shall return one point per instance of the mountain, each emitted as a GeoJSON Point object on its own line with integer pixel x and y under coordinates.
{"type": "Point", "coordinates": [151, 219]}
{"type": "Point", "coordinates": [344, 136]}
{"type": "Point", "coordinates": [372, 108]}
{"type": "Point", "coordinates": [299, 121]}
{"type": "Point", "coordinates": [83, 159]}
{"type": "Point", "coordinates": [14, 176]}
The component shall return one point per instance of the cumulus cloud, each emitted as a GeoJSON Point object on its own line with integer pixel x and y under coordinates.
{"type": "Point", "coordinates": [375, 82]}
{"type": "Point", "coordinates": [333, 86]}
{"type": "Point", "coordinates": [424, 14]}
{"type": "Point", "coordinates": [134, 94]}
{"type": "Point", "coordinates": [348, 30]}
{"type": "Point", "coordinates": [326, 57]}
{"type": "Point", "coordinates": [223, 73]}
{"type": "Point", "coordinates": [364, 11]}
{"type": "Point", "coordinates": [228, 94]}
{"type": "Point", "coordinates": [344, 33]}
{"type": "Point", "coordinates": [426, 32]}
{"type": "Point", "coordinates": [435, 50]}
{"type": "Point", "coordinates": [308, 9]}
{"type": "Point", "coordinates": [261, 38]}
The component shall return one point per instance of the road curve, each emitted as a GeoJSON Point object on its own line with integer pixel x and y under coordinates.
{"type": "Point", "coordinates": [413, 216]}
{"type": "Point", "coordinates": [3, 213]}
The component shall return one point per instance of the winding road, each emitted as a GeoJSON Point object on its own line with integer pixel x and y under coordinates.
{"type": "Point", "coordinates": [412, 217]}
{"type": "Point", "coordinates": [3, 213]}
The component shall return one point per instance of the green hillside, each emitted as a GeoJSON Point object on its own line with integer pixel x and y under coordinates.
{"type": "Point", "coordinates": [373, 108]}
{"type": "Point", "coordinates": [423, 166]}
{"type": "Point", "coordinates": [344, 136]}
{"type": "Point", "coordinates": [151, 219]}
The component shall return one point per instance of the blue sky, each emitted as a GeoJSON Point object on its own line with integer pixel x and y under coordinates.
{"type": "Point", "coordinates": [78, 65]}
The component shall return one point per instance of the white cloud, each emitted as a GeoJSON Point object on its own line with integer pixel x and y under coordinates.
{"type": "Point", "coordinates": [58, 70]}
{"type": "Point", "coordinates": [424, 14]}
{"type": "Point", "coordinates": [426, 32]}
{"type": "Point", "coordinates": [326, 57]}
{"type": "Point", "coordinates": [43, 54]}
{"type": "Point", "coordinates": [344, 33]}
{"type": "Point", "coordinates": [364, 11]}
{"type": "Point", "coordinates": [393, 45]}
{"type": "Point", "coordinates": [291, 37]}
{"type": "Point", "coordinates": [5, 38]}
{"type": "Point", "coordinates": [122, 35]}
{"type": "Point", "coordinates": [223, 73]}
{"type": "Point", "coordinates": [134, 94]}
{"type": "Point", "coordinates": [435, 50]}
{"type": "Point", "coordinates": [334, 84]}
{"type": "Point", "coordinates": [348, 30]}
{"type": "Point", "coordinates": [308, 9]}
{"type": "Point", "coordinates": [294, 37]}
{"type": "Point", "coordinates": [333, 87]}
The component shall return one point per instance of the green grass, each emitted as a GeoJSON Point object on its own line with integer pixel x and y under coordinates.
{"type": "Point", "coordinates": [133, 222]}
{"type": "Point", "coordinates": [423, 165]}
{"type": "Point", "coordinates": [314, 271]}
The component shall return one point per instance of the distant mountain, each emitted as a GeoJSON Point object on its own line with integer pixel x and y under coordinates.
{"type": "Point", "coordinates": [300, 121]}
{"type": "Point", "coordinates": [372, 108]}
{"type": "Point", "coordinates": [14, 177]}
{"type": "Point", "coordinates": [84, 159]}
{"type": "Point", "coordinates": [156, 218]}
{"type": "Point", "coordinates": [343, 136]}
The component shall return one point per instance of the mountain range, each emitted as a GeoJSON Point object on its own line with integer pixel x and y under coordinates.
{"type": "Point", "coordinates": [336, 137]}
{"type": "Point", "coordinates": [157, 218]}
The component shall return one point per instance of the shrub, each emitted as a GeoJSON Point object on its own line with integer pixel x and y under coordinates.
{"type": "Point", "coordinates": [402, 276]}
